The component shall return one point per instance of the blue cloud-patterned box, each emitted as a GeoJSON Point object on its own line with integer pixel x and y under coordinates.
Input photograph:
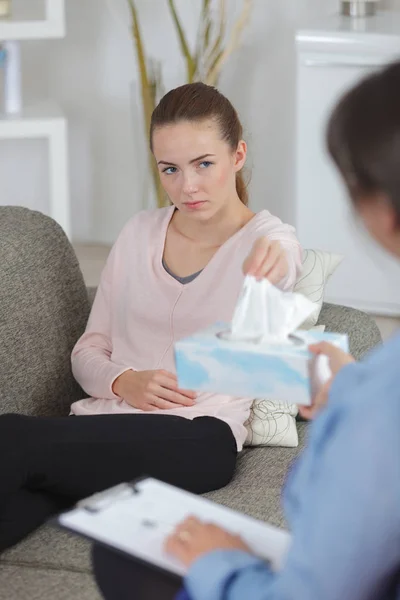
{"type": "Point", "coordinates": [206, 362]}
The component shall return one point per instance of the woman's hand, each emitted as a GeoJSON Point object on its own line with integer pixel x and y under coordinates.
{"type": "Point", "coordinates": [337, 360]}
{"type": "Point", "coordinates": [267, 259]}
{"type": "Point", "coordinates": [152, 390]}
{"type": "Point", "coordinates": [192, 539]}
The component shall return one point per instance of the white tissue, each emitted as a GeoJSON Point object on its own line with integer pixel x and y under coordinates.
{"type": "Point", "coordinates": [266, 314]}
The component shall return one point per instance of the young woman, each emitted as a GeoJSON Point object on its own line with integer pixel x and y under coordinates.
{"type": "Point", "coordinates": [171, 272]}
{"type": "Point", "coordinates": [343, 498]}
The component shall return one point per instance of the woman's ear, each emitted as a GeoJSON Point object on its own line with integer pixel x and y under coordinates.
{"type": "Point", "coordinates": [240, 155]}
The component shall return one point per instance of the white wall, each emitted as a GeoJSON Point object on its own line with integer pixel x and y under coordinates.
{"type": "Point", "coordinates": [90, 75]}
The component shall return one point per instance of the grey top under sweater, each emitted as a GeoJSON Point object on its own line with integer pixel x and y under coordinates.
{"type": "Point", "coordinates": [182, 280]}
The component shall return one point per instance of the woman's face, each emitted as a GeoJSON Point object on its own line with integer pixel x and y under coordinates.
{"type": "Point", "coordinates": [197, 168]}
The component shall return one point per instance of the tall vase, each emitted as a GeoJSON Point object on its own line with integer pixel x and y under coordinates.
{"type": "Point", "coordinates": [359, 8]}
{"type": "Point", "coordinates": [144, 183]}
{"type": "Point", "coordinates": [5, 9]}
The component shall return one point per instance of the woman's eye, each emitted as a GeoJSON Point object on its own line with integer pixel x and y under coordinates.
{"type": "Point", "coordinates": [205, 164]}
{"type": "Point", "coordinates": [169, 170]}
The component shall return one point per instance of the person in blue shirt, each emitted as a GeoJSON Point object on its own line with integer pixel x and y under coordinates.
{"type": "Point", "coordinates": [342, 499]}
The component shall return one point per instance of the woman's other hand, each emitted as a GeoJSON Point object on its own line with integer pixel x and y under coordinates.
{"type": "Point", "coordinates": [152, 390]}
{"type": "Point", "coordinates": [337, 360]}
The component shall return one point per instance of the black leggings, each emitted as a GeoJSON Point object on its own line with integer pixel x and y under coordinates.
{"type": "Point", "coordinates": [47, 464]}
{"type": "Point", "coordinates": [120, 578]}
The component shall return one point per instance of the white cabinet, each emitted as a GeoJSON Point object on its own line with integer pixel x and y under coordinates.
{"type": "Point", "coordinates": [331, 57]}
{"type": "Point", "coordinates": [45, 121]}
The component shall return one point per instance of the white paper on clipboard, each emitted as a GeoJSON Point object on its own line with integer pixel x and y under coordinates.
{"type": "Point", "coordinates": [136, 519]}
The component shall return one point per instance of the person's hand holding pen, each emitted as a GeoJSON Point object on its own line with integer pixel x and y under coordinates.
{"type": "Point", "coordinates": [192, 539]}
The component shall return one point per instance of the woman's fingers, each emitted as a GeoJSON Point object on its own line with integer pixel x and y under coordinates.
{"type": "Point", "coordinates": [169, 398]}
{"type": "Point", "coordinates": [271, 256]}
{"type": "Point", "coordinates": [189, 524]}
{"type": "Point", "coordinates": [161, 404]}
{"type": "Point", "coordinates": [166, 378]}
{"type": "Point", "coordinates": [188, 393]}
{"type": "Point", "coordinates": [267, 259]}
{"type": "Point", "coordinates": [275, 266]}
{"type": "Point", "coordinates": [319, 401]}
{"type": "Point", "coordinates": [182, 533]}
{"type": "Point", "coordinates": [168, 390]}
{"type": "Point", "coordinates": [337, 357]}
{"type": "Point", "coordinates": [323, 348]}
{"type": "Point", "coordinates": [174, 397]}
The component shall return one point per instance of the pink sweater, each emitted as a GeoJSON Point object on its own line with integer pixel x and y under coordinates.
{"type": "Point", "coordinates": [140, 310]}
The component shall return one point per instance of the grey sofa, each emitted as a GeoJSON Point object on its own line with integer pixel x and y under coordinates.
{"type": "Point", "coordinates": [44, 305]}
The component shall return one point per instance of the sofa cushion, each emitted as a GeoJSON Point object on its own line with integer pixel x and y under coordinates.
{"type": "Point", "coordinates": [24, 583]}
{"type": "Point", "coordinates": [255, 490]}
{"type": "Point", "coordinates": [43, 311]}
{"type": "Point", "coordinates": [363, 332]}
{"type": "Point", "coordinates": [257, 485]}
{"type": "Point", "coordinates": [50, 548]}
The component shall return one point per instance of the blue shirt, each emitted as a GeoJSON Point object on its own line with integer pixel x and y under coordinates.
{"type": "Point", "coordinates": [342, 502]}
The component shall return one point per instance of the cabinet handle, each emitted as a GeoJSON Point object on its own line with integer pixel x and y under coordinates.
{"type": "Point", "coordinates": [351, 65]}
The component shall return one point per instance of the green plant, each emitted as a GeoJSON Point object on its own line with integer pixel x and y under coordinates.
{"type": "Point", "coordinates": [213, 48]}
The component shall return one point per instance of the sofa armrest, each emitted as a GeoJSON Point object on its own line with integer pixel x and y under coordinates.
{"type": "Point", "coordinates": [361, 328]}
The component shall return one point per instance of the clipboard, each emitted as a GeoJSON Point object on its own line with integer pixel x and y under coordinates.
{"type": "Point", "coordinates": [134, 519]}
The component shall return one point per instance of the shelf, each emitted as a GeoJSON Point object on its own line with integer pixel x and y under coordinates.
{"type": "Point", "coordinates": [21, 26]}
{"type": "Point", "coordinates": [33, 121]}
{"type": "Point", "coordinates": [356, 35]}
{"type": "Point", "coordinates": [46, 121]}
{"type": "Point", "coordinates": [43, 110]}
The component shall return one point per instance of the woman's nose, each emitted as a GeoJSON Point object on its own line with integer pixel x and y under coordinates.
{"type": "Point", "coordinates": [190, 185]}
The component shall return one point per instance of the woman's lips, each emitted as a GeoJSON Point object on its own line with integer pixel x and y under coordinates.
{"type": "Point", "coordinates": [195, 205]}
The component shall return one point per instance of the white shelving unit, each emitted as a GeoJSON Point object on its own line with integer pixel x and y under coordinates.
{"type": "Point", "coordinates": [44, 121]}
{"type": "Point", "coordinates": [332, 56]}
{"type": "Point", "coordinates": [21, 26]}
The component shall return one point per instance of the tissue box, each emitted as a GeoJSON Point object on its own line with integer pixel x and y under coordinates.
{"type": "Point", "coordinates": [283, 372]}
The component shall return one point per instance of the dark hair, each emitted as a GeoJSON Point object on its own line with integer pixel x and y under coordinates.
{"type": "Point", "coordinates": [363, 137]}
{"type": "Point", "coordinates": [198, 102]}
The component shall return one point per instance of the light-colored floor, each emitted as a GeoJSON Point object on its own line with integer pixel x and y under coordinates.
{"type": "Point", "coordinates": [93, 257]}
{"type": "Point", "coordinates": [387, 325]}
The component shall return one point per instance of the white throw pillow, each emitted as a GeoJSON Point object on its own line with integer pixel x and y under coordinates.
{"type": "Point", "coordinates": [318, 266]}
{"type": "Point", "coordinates": [272, 424]}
